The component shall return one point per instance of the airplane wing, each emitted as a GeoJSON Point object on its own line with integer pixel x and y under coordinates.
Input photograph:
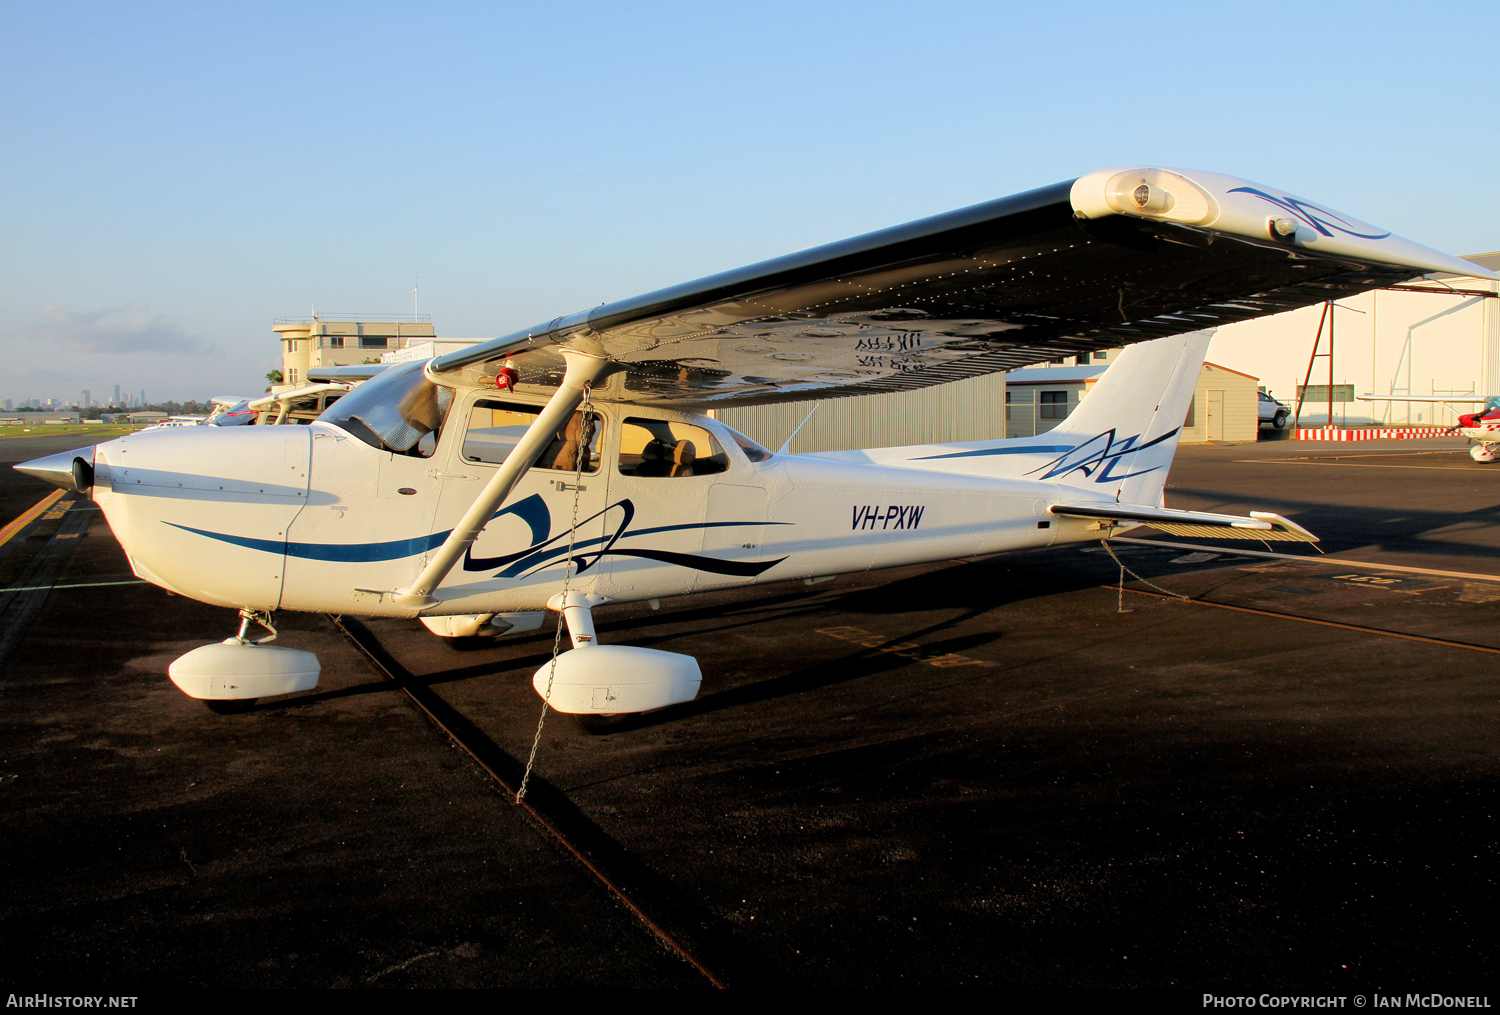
{"type": "Point", "coordinates": [346, 374]}
{"type": "Point", "coordinates": [1203, 524]}
{"type": "Point", "coordinates": [291, 394]}
{"type": "Point", "coordinates": [1114, 257]}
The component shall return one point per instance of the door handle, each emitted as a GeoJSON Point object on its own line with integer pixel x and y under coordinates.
{"type": "Point", "coordinates": [435, 474]}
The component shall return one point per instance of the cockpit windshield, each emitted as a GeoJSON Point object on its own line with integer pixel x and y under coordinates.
{"type": "Point", "coordinates": [752, 450]}
{"type": "Point", "coordinates": [394, 411]}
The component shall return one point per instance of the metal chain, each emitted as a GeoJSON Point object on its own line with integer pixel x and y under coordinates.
{"type": "Point", "coordinates": [585, 438]}
{"type": "Point", "coordinates": [1120, 606]}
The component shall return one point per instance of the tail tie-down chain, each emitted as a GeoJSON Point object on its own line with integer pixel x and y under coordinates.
{"type": "Point", "coordinates": [1120, 605]}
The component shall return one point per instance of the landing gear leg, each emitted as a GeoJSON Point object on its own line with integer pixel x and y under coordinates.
{"type": "Point", "coordinates": [261, 617]}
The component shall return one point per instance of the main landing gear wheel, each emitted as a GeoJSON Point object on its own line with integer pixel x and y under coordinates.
{"type": "Point", "coordinates": [601, 723]}
{"type": "Point", "coordinates": [229, 706]}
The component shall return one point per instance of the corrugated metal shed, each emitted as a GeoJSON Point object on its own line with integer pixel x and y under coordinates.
{"type": "Point", "coordinates": [1028, 390]}
{"type": "Point", "coordinates": [975, 409]}
{"type": "Point", "coordinates": [969, 410]}
{"type": "Point", "coordinates": [1224, 407]}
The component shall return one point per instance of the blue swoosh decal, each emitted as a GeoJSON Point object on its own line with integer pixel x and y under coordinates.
{"type": "Point", "coordinates": [1323, 221]}
{"type": "Point", "coordinates": [1091, 455]}
{"type": "Point", "coordinates": [1036, 449]}
{"type": "Point", "coordinates": [713, 565]}
{"type": "Point", "coordinates": [522, 563]}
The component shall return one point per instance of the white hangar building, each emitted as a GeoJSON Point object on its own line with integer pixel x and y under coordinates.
{"type": "Point", "coordinates": [1425, 339]}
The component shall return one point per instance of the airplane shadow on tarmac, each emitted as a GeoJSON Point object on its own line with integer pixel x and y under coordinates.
{"type": "Point", "coordinates": [1347, 526]}
{"type": "Point", "coordinates": [970, 588]}
{"type": "Point", "coordinates": [942, 589]}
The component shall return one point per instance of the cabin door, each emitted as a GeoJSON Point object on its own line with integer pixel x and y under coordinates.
{"type": "Point", "coordinates": [526, 543]}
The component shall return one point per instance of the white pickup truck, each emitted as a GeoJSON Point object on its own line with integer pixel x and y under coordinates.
{"type": "Point", "coordinates": [1272, 411]}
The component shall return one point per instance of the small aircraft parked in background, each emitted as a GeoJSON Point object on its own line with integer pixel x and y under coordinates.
{"type": "Point", "coordinates": [575, 463]}
{"type": "Point", "coordinates": [1481, 426]}
{"type": "Point", "coordinates": [295, 405]}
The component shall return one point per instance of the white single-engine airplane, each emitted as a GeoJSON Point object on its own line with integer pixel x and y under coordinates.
{"type": "Point", "coordinates": [571, 465]}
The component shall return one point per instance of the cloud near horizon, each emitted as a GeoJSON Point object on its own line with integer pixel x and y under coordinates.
{"type": "Point", "coordinates": [116, 330]}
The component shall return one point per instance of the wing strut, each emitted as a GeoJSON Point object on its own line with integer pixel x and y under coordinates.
{"type": "Point", "coordinates": [583, 369]}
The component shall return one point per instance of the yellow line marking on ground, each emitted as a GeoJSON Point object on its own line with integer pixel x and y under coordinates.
{"type": "Point", "coordinates": [1371, 454]}
{"type": "Point", "coordinates": [1329, 561]}
{"type": "Point", "coordinates": [906, 649]}
{"type": "Point", "coordinates": [1309, 620]}
{"type": "Point", "coordinates": [1355, 465]}
{"type": "Point", "coordinates": [28, 516]}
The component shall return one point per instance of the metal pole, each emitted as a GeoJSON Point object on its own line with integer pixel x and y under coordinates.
{"type": "Point", "coordinates": [1302, 394]}
{"type": "Point", "coordinates": [1331, 308]}
{"type": "Point", "coordinates": [583, 369]}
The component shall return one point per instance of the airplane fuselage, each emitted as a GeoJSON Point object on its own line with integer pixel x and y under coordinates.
{"type": "Point", "coordinates": [312, 518]}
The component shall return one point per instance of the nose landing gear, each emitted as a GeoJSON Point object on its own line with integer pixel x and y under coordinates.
{"type": "Point", "coordinates": [231, 675]}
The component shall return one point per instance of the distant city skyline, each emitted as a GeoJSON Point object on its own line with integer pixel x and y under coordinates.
{"type": "Point", "coordinates": [174, 190]}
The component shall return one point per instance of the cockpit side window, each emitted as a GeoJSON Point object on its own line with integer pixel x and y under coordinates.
{"type": "Point", "coordinates": [495, 428]}
{"type": "Point", "coordinates": [660, 447]}
{"type": "Point", "coordinates": [400, 411]}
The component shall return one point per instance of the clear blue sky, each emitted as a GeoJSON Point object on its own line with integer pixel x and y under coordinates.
{"type": "Point", "coordinates": [176, 175]}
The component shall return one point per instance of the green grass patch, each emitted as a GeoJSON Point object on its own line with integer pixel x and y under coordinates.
{"type": "Point", "coordinates": [100, 430]}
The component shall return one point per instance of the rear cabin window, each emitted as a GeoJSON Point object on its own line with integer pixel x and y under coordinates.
{"type": "Point", "coordinates": [495, 428]}
{"type": "Point", "coordinates": [664, 448]}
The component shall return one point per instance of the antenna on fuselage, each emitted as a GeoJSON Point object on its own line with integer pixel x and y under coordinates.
{"type": "Point", "coordinates": [786, 448]}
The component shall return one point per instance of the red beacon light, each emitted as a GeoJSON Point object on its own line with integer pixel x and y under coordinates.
{"type": "Point", "coordinates": [507, 376]}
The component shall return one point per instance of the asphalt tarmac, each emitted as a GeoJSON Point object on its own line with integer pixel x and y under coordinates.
{"type": "Point", "coordinates": [968, 773]}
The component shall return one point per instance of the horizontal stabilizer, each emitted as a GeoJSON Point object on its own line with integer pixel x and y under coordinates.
{"type": "Point", "coordinates": [1203, 524]}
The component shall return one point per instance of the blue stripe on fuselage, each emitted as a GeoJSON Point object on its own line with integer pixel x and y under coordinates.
{"type": "Point", "coordinates": [1035, 449]}
{"type": "Point", "coordinates": [531, 510]}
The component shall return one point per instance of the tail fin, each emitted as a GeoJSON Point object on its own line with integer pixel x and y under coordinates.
{"type": "Point", "coordinates": [1127, 429]}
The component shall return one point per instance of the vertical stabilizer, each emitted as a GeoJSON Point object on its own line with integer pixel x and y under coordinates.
{"type": "Point", "coordinates": [1126, 429]}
